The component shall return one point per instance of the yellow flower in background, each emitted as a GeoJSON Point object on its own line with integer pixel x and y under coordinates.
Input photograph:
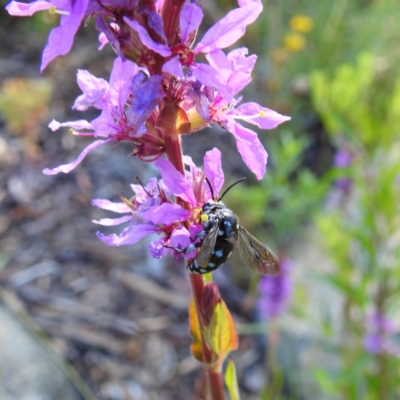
{"type": "Point", "coordinates": [294, 42]}
{"type": "Point", "coordinates": [301, 23]}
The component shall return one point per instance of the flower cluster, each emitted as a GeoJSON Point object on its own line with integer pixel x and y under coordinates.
{"type": "Point", "coordinates": [153, 211]}
{"type": "Point", "coordinates": [157, 88]}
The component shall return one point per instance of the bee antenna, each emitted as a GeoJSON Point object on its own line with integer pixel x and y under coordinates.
{"type": "Point", "coordinates": [211, 189]}
{"type": "Point", "coordinates": [230, 187]}
{"type": "Point", "coordinates": [141, 184]}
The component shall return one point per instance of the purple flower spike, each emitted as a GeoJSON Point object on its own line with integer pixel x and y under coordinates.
{"type": "Point", "coordinates": [378, 338]}
{"type": "Point", "coordinates": [275, 292]}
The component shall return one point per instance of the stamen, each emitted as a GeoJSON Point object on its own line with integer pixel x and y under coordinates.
{"type": "Point", "coordinates": [54, 10]}
{"type": "Point", "coordinates": [76, 133]}
{"type": "Point", "coordinates": [141, 184]}
{"type": "Point", "coordinates": [260, 114]}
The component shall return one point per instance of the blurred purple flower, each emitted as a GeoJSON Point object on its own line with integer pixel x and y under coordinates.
{"type": "Point", "coordinates": [342, 160]}
{"type": "Point", "coordinates": [275, 292]}
{"type": "Point", "coordinates": [378, 338]}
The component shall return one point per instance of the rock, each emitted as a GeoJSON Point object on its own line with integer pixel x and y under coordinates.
{"type": "Point", "coordinates": [27, 370]}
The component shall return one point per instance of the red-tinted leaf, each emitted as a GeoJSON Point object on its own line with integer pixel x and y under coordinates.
{"type": "Point", "coordinates": [196, 348]}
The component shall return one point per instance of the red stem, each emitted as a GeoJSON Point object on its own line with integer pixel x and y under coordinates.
{"type": "Point", "coordinates": [173, 151]}
{"type": "Point", "coordinates": [216, 385]}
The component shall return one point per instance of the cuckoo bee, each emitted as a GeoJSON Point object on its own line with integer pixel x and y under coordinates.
{"type": "Point", "coordinates": [221, 231]}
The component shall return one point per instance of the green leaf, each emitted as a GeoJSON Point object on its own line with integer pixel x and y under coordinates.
{"type": "Point", "coordinates": [325, 381]}
{"type": "Point", "coordinates": [231, 381]}
{"type": "Point", "coordinates": [221, 334]}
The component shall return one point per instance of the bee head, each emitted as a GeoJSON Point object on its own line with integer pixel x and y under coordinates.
{"type": "Point", "coordinates": [212, 206]}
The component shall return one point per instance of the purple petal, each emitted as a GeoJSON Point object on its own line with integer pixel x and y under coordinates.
{"type": "Point", "coordinates": [249, 147]}
{"type": "Point", "coordinates": [166, 214]}
{"type": "Point", "coordinates": [146, 96]}
{"type": "Point", "coordinates": [174, 67]}
{"type": "Point", "coordinates": [140, 194]}
{"type": "Point", "coordinates": [130, 235]}
{"type": "Point", "coordinates": [27, 10]}
{"type": "Point", "coordinates": [94, 91]}
{"type": "Point", "coordinates": [194, 229]}
{"type": "Point", "coordinates": [120, 208]}
{"type": "Point", "coordinates": [112, 221]}
{"type": "Point", "coordinates": [103, 40]}
{"type": "Point", "coordinates": [121, 77]}
{"type": "Point", "coordinates": [145, 38]}
{"type": "Point", "coordinates": [190, 19]}
{"type": "Point", "coordinates": [155, 22]}
{"type": "Point", "coordinates": [241, 61]}
{"type": "Point", "coordinates": [104, 125]}
{"type": "Point", "coordinates": [77, 125]}
{"type": "Point", "coordinates": [62, 37]}
{"type": "Point", "coordinates": [209, 76]}
{"type": "Point", "coordinates": [107, 30]}
{"type": "Point", "coordinates": [180, 239]}
{"type": "Point", "coordinates": [230, 28]}
{"type": "Point", "coordinates": [175, 181]}
{"type": "Point", "coordinates": [263, 117]}
{"type": "Point", "coordinates": [213, 170]}
{"type": "Point", "coordinates": [157, 248]}
{"type": "Point", "coordinates": [159, 4]}
{"type": "Point", "coordinates": [236, 68]}
{"type": "Point", "coordinates": [69, 167]}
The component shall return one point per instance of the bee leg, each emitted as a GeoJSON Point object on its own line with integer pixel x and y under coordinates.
{"type": "Point", "coordinates": [186, 250]}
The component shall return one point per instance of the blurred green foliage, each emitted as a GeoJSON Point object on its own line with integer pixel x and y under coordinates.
{"type": "Point", "coordinates": [287, 196]}
{"type": "Point", "coordinates": [339, 80]}
{"type": "Point", "coordinates": [362, 232]}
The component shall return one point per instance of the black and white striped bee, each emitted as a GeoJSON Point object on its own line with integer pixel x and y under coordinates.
{"type": "Point", "coordinates": [221, 231]}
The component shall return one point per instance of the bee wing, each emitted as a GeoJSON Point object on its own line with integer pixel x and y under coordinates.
{"type": "Point", "coordinates": [207, 246]}
{"type": "Point", "coordinates": [255, 255]}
